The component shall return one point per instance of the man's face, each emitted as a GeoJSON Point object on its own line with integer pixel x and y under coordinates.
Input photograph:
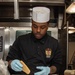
{"type": "Point", "coordinates": [39, 29]}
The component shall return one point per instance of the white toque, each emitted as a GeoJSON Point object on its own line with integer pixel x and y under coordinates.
{"type": "Point", "coordinates": [41, 14]}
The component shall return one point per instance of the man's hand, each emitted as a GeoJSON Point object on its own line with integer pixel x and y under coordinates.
{"type": "Point", "coordinates": [44, 70]}
{"type": "Point", "coordinates": [16, 65]}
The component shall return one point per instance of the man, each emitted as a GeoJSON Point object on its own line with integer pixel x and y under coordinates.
{"type": "Point", "coordinates": [39, 51]}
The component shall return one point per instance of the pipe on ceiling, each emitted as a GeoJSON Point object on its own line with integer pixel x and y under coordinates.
{"type": "Point", "coordinates": [16, 9]}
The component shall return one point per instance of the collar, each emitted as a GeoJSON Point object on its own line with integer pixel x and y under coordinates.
{"type": "Point", "coordinates": [42, 40]}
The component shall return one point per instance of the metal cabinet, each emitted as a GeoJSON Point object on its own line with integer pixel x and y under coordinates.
{"type": "Point", "coordinates": [1, 42]}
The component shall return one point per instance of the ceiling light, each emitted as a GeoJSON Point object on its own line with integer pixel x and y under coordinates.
{"type": "Point", "coordinates": [71, 31]}
{"type": "Point", "coordinates": [70, 27]}
{"type": "Point", "coordinates": [71, 8]}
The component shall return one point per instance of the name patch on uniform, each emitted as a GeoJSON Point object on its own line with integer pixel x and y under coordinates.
{"type": "Point", "coordinates": [48, 52]}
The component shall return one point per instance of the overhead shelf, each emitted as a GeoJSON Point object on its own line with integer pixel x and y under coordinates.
{"type": "Point", "coordinates": [50, 1]}
{"type": "Point", "coordinates": [33, 2]}
{"type": "Point", "coordinates": [25, 10]}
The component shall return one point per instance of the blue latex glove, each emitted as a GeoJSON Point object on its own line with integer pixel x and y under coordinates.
{"type": "Point", "coordinates": [16, 65]}
{"type": "Point", "coordinates": [44, 70]}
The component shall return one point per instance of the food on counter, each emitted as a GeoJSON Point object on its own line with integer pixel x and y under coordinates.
{"type": "Point", "coordinates": [25, 68]}
{"type": "Point", "coordinates": [69, 72]}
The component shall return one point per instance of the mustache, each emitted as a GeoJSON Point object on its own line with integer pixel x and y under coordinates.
{"type": "Point", "coordinates": [38, 33]}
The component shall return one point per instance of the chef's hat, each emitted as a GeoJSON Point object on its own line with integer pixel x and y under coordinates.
{"type": "Point", "coordinates": [41, 14]}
